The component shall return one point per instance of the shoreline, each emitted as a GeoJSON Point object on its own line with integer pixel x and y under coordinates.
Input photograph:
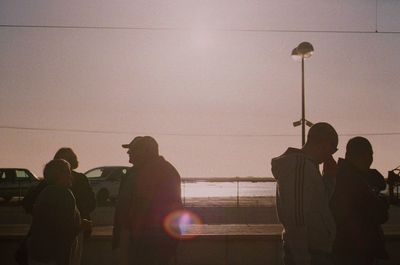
{"type": "Point", "coordinates": [231, 201]}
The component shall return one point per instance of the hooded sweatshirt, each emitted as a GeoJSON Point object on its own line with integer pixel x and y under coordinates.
{"type": "Point", "coordinates": [302, 201]}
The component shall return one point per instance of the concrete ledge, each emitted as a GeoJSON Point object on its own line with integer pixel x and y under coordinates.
{"type": "Point", "coordinates": [250, 231]}
{"type": "Point", "coordinates": [204, 245]}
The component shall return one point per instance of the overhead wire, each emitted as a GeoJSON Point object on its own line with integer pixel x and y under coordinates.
{"type": "Point", "coordinates": [61, 130]}
{"type": "Point", "coordinates": [189, 29]}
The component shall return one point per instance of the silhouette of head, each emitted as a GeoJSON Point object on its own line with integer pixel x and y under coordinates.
{"type": "Point", "coordinates": [322, 140]}
{"type": "Point", "coordinates": [359, 152]}
{"type": "Point", "coordinates": [68, 155]}
{"type": "Point", "coordinates": [142, 149]}
{"type": "Point", "coordinates": [58, 172]}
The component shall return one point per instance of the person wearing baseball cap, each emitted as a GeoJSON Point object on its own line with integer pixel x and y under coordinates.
{"type": "Point", "coordinates": [150, 193]}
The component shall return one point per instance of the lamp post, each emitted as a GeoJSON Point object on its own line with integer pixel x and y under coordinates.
{"type": "Point", "coordinates": [303, 51]}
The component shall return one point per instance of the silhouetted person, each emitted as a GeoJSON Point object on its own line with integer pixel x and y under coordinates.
{"type": "Point", "coordinates": [84, 196]}
{"type": "Point", "coordinates": [152, 192]}
{"type": "Point", "coordinates": [124, 200]}
{"type": "Point", "coordinates": [303, 195]}
{"type": "Point", "coordinates": [82, 192]}
{"type": "Point", "coordinates": [55, 218]}
{"type": "Point", "coordinates": [357, 209]}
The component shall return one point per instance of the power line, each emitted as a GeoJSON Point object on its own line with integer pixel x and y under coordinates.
{"type": "Point", "coordinates": [371, 134]}
{"type": "Point", "coordinates": [143, 133]}
{"type": "Point", "coordinates": [183, 134]}
{"type": "Point", "coordinates": [189, 29]}
{"type": "Point", "coordinates": [376, 15]}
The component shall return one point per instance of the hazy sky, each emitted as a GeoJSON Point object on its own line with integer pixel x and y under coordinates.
{"type": "Point", "coordinates": [212, 81]}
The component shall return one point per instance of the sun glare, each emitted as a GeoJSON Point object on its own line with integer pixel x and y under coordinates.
{"type": "Point", "coordinates": [180, 224]}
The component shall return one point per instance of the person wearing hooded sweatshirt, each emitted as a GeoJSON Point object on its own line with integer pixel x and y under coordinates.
{"type": "Point", "coordinates": [302, 197]}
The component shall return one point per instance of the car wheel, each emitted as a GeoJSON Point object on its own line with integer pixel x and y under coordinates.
{"type": "Point", "coordinates": [102, 197]}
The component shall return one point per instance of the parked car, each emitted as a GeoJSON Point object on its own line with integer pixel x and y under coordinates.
{"type": "Point", "coordinates": [15, 182]}
{"type": "Point", "coordinates": [105, 182]}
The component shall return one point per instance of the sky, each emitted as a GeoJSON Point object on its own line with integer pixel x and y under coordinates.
{"type": "Point", "coordinates": [212, 81]}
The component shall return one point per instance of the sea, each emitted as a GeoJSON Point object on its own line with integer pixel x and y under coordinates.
{"type": "Point", "coordinates": [228, 189]}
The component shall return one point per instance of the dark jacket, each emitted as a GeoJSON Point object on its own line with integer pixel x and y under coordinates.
{"type": "Point", "coordinates": [55, 224]}
{"type": "Point", "coordinates": [358, 214]}
{"type": "Point", "coordinates": [83, 193]}
{"type": "Point", "coordinates": [148, 195]}
{"type": "Point", "coordinates": [123, 205]}
{"type": "Point", "coordinates": [156, 192]}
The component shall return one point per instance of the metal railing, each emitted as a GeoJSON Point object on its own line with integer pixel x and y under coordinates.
{"type": "Point", "coordinates": [237, 180]}
{"type": "Point", "coordinates": [393, 181]}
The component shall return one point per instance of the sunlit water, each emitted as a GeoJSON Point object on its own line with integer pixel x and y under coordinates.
{"type": "Point", "coordinates": [228, 189]}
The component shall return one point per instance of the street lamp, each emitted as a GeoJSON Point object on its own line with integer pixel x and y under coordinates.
{"type": "Point", "coordinates": [302, 51]}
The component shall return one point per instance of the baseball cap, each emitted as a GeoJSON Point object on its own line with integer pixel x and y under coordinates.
{"type": "Point", "coordinates": [133, 142]}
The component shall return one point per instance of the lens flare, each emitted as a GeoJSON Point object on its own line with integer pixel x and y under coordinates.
{"type": "Point", "coordinates": [180, 224]}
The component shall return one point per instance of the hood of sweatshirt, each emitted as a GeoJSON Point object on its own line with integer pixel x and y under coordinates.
{"type": "Point", "coordinates": [280, 164]}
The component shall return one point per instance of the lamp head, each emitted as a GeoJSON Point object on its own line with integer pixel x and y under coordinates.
{"type": "Point", "coordinates": [303, 50]}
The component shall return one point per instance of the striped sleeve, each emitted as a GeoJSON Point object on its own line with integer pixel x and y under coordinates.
{"type": "Point", "coordinates": [299, 191]}
{"type": "Point", "coordinates": [297, 240]}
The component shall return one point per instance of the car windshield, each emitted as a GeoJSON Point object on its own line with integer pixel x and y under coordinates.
{"type": "Point", "coordinates": [108, 173]}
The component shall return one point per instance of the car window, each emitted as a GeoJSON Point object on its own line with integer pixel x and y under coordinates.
{"type": "Point", "coordinates": [116, 174]}
{"type": "Point", "coordinates": [2, 175]}
{"type": "Point", "coordinates": [21, 174]}
{"type": "Point", "coordinates": [107, 172]}
{"type": "Point", "coordinates": [7, 175]}
{"type": "Point", "coordinates": [95, 173]}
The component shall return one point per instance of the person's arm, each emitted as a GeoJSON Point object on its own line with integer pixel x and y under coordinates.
{"type": "Point", "coordinates": [371, 206]}
{"type": "Point", "coordinates": [86, 197]}
{"type": "Point", "coordinates": [376, 180]}
{"type": "Point", "coordinates": [122, 209]}
{"type": "Point", "coordinates": [311, 194]}
{"type": "Point", "coordinates": [298, 245]}
{"type": "Point", "coordinates": [69, 223]}
{"type": "Point", "coordinates": [297, 229]}
{"type": "Point", "coordinates": [123, 252]}
{"type": "Point", "coordinates": [174, 186]}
